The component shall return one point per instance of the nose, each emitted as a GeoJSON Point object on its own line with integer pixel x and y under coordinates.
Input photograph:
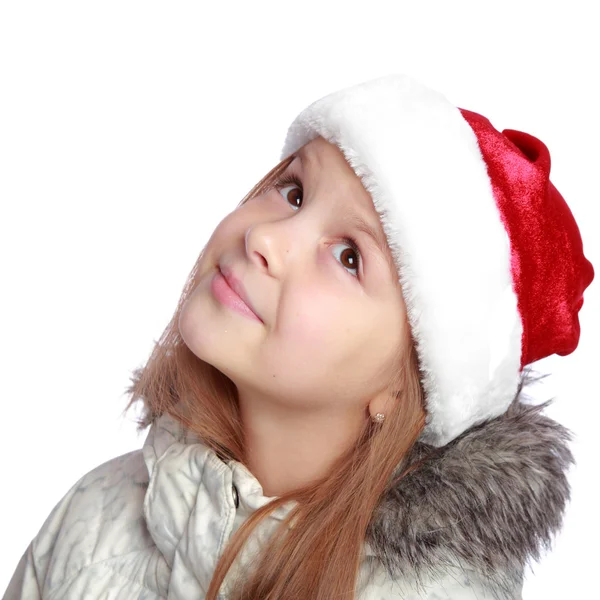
{"type": "Point", "coordinates": [274, 245]}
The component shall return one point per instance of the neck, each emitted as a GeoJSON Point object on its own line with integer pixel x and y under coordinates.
{"type": "Point", "coordinates": [287, 449]}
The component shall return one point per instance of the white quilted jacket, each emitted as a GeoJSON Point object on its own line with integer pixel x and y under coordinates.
{"type": "Point", "coordinates": [152, 523]}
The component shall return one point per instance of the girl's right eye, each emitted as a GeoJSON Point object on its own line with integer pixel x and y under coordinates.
{"type": "Point", "coordinates": [293, 181]}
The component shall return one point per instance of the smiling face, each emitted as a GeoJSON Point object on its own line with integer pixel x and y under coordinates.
{"type": "Point", "coordinates": [332, 318]}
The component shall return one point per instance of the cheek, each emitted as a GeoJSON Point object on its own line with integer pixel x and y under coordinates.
{"type": "Point", "coordinates": [319, 347]}
{"type": "Point", "coordinates": [230, 229]}
{"type": "Point", "coordinates": [316, 324]}
{"type": "Point", "coordinates": [226, 231]}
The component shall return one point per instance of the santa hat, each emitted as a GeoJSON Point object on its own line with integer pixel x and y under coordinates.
{"type": "Point", "coordinates": [489, 256]}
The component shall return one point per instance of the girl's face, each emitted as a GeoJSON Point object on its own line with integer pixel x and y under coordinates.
{"type": "Point", "coordinates": [330, 319]}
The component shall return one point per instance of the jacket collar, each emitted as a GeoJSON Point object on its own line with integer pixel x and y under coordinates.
{"type": "Point", "coordinates": [490, 500]}
{"type": "Point", "coordinates": [190, 503]}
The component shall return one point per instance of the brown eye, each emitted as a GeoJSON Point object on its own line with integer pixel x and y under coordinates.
{"type": "Point", "coordinates": [290, 180]}
{"type": "Point", "coordinates": [294, 197]}
{"type": "Point", "coordinates": [350, 256]}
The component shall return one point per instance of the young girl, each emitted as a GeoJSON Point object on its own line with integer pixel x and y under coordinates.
{"type": "Point", "coordinates": [336, 408]}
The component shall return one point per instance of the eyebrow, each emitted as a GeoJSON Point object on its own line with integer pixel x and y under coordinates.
{"type": "Point", "coordinates": [355, 220]}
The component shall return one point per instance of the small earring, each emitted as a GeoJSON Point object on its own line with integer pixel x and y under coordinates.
{"type": "Point", "coordinates": [378, 418]}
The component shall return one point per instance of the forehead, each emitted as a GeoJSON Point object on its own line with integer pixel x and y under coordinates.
{"type": "Point", "coordinates": [319, 153]}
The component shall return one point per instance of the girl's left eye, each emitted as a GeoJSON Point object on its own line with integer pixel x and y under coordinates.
{"type": "Point", "coordinates": [294, 181]}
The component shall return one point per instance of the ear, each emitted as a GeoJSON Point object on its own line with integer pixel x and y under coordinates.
{"type": "Point", "coordinates": [385, 402]}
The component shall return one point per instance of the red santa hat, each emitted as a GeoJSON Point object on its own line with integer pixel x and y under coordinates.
{"type": "Point", "coordinates": [489, 256]}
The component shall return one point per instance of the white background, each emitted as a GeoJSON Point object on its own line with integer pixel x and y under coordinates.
{"type": "Point", "coordinates": [129, 129]}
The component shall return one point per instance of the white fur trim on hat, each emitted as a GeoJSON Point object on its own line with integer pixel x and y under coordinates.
{"type": "Point", "coordinates": [420, 161]}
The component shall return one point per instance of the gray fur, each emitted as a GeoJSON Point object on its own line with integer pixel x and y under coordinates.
{"type": "Point", "coordinates": [490, 500]}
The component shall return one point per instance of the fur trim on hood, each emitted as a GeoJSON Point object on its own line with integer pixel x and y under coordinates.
{"type": "Point", "coordinates": [490, 500]}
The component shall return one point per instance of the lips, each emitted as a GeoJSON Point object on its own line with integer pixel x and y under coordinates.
{"type": "Point", "coordinates": [236, 285]}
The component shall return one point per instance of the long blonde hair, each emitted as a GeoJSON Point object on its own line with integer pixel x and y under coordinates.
{"type": "Point", "coordinates": [319, 557]}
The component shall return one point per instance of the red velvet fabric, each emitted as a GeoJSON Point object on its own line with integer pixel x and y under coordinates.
{"type": "Point", "coordinates": [548, 267]}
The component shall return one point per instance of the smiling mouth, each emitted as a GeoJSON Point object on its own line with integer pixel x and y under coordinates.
{"type": "Point", "coordinates": [226, 293]}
